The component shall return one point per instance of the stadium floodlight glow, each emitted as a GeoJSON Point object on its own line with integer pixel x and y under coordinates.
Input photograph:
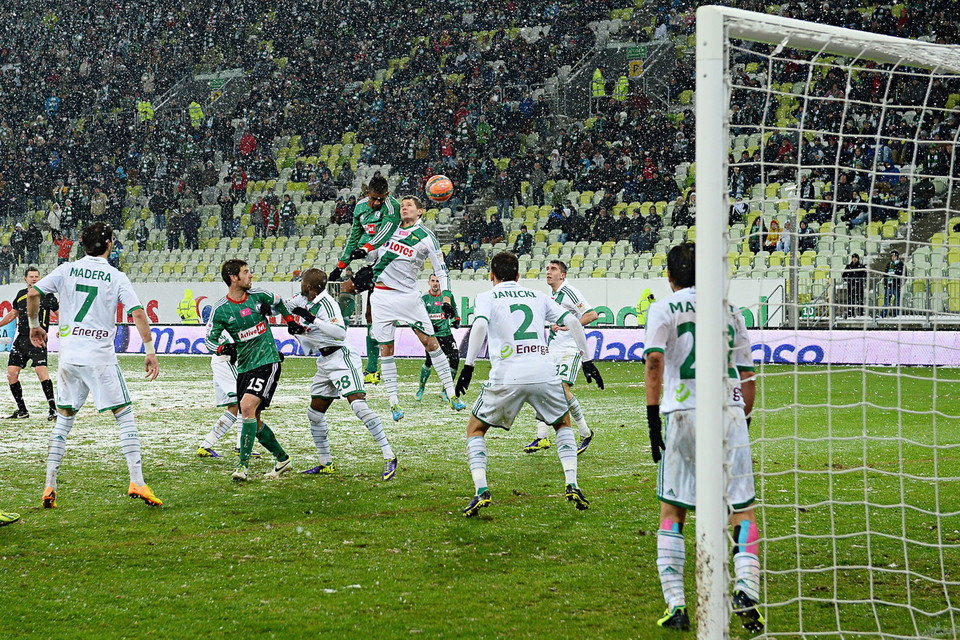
{"type": "Point", "coordinates": [910, 588]}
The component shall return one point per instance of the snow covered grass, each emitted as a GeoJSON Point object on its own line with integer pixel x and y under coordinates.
{"type": "Point", "coordinates": [349, 556]}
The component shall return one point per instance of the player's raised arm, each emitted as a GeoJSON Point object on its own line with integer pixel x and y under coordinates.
{"type": "Point", "coordinates": [152, 365]}
{"type": "Point", "coordinates": [356, 232]}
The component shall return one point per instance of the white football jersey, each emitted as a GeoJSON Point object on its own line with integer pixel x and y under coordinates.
{"type": "Point", "coordinates": [573, 301]}
{"type": "Point", "coordinates": [402, 258]}
{"type": "Point", "coordinates": [671, 330]}
{"type": "Point", "coordinates": [515, 318]}
{"type": "Point", "coordinates": [327, 311]}
{"type": "Point", "coordinates": [89, 290]}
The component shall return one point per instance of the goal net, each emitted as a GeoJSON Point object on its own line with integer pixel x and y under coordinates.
{"type": "Point", "coordinates": [815, 143]}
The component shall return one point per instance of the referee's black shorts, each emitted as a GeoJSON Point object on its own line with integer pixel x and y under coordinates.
{"type": "Point", "coordinates": [20, 355]}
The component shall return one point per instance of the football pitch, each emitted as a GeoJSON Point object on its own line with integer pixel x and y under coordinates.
{"type": "Point", "coordinates": [350, 556]}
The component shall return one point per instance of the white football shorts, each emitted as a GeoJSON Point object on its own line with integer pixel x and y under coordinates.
{"type": "Point", "coordinates": [224, 381]}
{"type": "Point", "coordinates": [390, 307]}
{"type": "Point", "coordinates": [338, 374]}
{"type": "Point", "coordinates": [568, 365]}
{"type": "Point", "coordinates": [103, 381]}
{"type": "Point", "coordinates": [498, 404]}
{"type": "Point", "coordinates": [677, 475]}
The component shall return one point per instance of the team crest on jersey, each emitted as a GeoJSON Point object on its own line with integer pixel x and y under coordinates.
{"type": "Point", "coordinates": [370, 228]}
{"type": "Point", "coordinates": [249, 334]}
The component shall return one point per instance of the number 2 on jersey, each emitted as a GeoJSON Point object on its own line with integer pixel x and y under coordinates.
{"type": "Point", "coordinates": [523, 332]}
{"type": "Point", "coordinates": [688, 370]}
{"type": "Point", "coordinates": [85, 307]}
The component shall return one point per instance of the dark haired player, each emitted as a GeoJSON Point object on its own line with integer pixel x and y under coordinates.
{"type": "Point", "coordinates": [670, 369]}
{"type": "Point", "coordinates": [243, 314]}
{"type": "Point", "coordinates": [24, 352]}
{"type": "Point", "coordinates": [375, 218]}
{"type": "Point", "coordinates": [90, 290]}
{"type": "Point", "coordinates": [521, 372]}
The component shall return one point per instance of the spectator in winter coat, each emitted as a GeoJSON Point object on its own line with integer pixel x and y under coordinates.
{"type": "Point", "coordinates": [33, 238]}
{"type": "Point", "coordinates": [142, 235]}
{"type": "Point", "coordinates": [456, 257]}
{"type": "Point", "coordinates": [495, 232]}
{"type": "Point", "coordinates": [476, 259]}
{"type": "Point", "coordinates": [524, 242]}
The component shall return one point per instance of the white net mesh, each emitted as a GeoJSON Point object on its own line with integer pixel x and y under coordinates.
{"type": "Point", "coordinates": [856, 430]}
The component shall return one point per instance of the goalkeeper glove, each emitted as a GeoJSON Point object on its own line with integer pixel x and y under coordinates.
{"type": "Point", "coordinates": [228, 349]}
{"type": "Point", "coordinates": [655, 426]}
{"type": "Point", "coordinates": [358, 254]}
{"type": "Point", "coordinates": [463, 380]}
{"type": "Point", "coordinates": [448, 311]}
{"type": "Point", "coordinates": [456, 323]}
{"type": "Point", "coordinates": [334, 275]}
{"type": "Point", "coordinates": [294, 328]}
{"type": "Point", "coordinates": [591, 373]}
{"type": "Point", "coordinates": [304, 313]}
{"type": "Point", "coordinates": [265, 309]}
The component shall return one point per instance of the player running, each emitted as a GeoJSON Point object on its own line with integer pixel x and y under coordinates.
{"type": "Point", "coordinates": [243, 314]}
{"type": "Point", "coordinates": [433, 301]}
{"type": "Point", "coordinates": [375, 218]}
{"type": "Point", "coordinates": [520, 372]}
{"type": "Point", "coordinates": [566, 354]}
{"type": "Point", "coordinates": [90, 290]}
{"type": "Point", "coordinates": [397, 300]}
{"type": "Point", "coordinates": [338, 370]}
{"type": "Point", "coordinates": [671, 327]}
{"type": "Point", "coordinates": [23, 350]}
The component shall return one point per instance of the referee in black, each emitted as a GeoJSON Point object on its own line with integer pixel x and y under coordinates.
{"type": "Point", "coordinates": [23, 351]}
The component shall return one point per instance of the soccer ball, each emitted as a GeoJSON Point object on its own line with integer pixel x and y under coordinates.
{"type": "Point", "coordinates": [439, 188]}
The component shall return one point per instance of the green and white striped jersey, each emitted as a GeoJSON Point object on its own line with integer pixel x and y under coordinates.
{"type": "Point", "coordinates": [568, 297]}
{"type": "Point", "coordinates": [402, 258]}
{"type": "Point", "coordinates": [327, 330]}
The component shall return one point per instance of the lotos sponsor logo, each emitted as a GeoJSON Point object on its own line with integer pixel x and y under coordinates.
{"type": "Point", "coordinates": [96, 334]}
{"type": "Point", "coordinates": [401, 249]}
{"type": "Point", "coordinates": [249, 334]}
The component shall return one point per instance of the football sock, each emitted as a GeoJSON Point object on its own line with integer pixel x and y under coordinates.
{"type": "Point", "coordinates": [222, 425]}
{"type": "Point", "coordinates": [372, 421]}
{"type": "Point", "coordinates": [373, 353]}
{"type": "Point", "coordinates": [442, 365]}
{"type": "Point", "coordinates": [543, 429]}
{"type": "Point", "coordinates": [388, 371]}
{"type": "Point", "coordinates": [577, 414]}
{"type": "Point", "coordinates": [477, 457]}
{"type": "Point", "coordinates": [746, 564]}
{"type": "Point", "coordinates": [670, 559]}
{"type": "Point", "coordinates": [248, 435]}
{"type": "Point", "coordinates": [269, 441]}
{"type": "Point", "coordinates": [47, 386]}
{"type": "Point", "coordinates": [130, 443]}
{"type": "Point", "coordinates": [567, 451]}
{"type": "Point", "coordinates": [57, 447]}
{"type": "Point", "coordinates": [319, 430]}
{"type": "Point", "coordinates": [424, 375]}
{"type": "Point", "coordinates": [17, 390]}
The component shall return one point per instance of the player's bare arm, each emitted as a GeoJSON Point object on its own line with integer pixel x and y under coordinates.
{"type": "Point", "coordinates": [152, 366]}
{"type": "Point", "coordinates": [37, 335]}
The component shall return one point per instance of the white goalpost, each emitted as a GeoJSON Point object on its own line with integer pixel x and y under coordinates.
{"type": "Point", "coordinates": [856, 428]}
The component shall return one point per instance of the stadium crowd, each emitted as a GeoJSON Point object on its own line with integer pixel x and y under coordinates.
{"type": "Point", "coordinates": [79, 83]}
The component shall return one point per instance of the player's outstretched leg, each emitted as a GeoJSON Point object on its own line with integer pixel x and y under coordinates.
{"type": "Point", "coordinates": [477, 458]}
{"type": "Point", "coordinates": [55, 450]}
{"type": "Point", "coordinates": [542, 441]}
{"type": "Point", "coordinates": [269, 441]}
{"type": "Point", "coordinates": [567, 452]}
{"type": "Point", "coordinates": [371, 373]}
{"type": "Point", "coordinates": [746, 565]}
{"type": "Point", "coordinates": [442, 365]}
{"type": "Point", "coordinates": [130, 445]}
{"type": "Point", "coordinates": [671, 555]}
{"type": "Point", "coordinates": [8, 518]}
{"type": "Point", "coordinates": [424, 376]}
{"type": "Point", "coordinates": [320, 432]}
{"type": "Point", "coordinates": [372, 422]}
{"type": "Point", "coordinates": [586, 434]}
{"type": "Point", "coordinates": [220, 428]}
{"type": "Point", "coordinates": [388, 368]}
